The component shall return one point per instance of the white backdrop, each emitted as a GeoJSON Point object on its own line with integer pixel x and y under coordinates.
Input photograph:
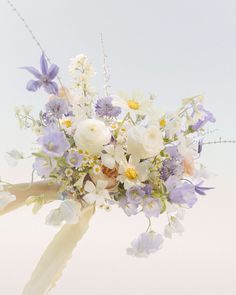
{"type": "Point", "coordinates": [174, 48]}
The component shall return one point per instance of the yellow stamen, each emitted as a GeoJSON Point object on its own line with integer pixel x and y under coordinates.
{"type": "Point", "coordinates": [131, 173]}
{"type": "Point", "coordinates": [67, 123]}
{"type": "Point", "coordinates": [134, 105]}
{"type": "Point", "coordinates": [163, 123]}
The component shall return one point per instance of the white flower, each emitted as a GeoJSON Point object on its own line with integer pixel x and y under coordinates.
{"type": "Point", "coordinates": [145, 244]}
{"type": "Point", "coordinates": [136, 104]}
{"type": "Point", "coordinates": [5, 198]}
{"type": "Point", "coordinates": [144, 142]}
{"type": "Point", "coordinates": [133, 172]}
{"type": "Point", "coordinates": [113, 154]}
{"type": "Point", "coordinates": [69, 211]}
{"type": "Point", "coordinates": [96, 194]}
{"type": "Point", "coordinates": [13, 157]}
{"type": "Point", "coordinates": [174, 226]}
{"type": "Point", "coordinates": [91, 135]}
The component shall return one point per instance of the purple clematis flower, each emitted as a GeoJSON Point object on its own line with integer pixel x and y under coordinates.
{"type": "Point", "coordinates": [54, 142]}
{"type": "Point", "coordinates": [57, 107]}
{"type": "Point", "coordinates": [209, 117]}
{"type": "Point", "coordinates": [44, 78]}
{"type": "Point", "coordinates": [104, 107]}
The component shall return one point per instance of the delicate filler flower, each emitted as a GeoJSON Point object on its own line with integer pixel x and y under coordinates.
{"type": "Point", "coordinates": [104, 107]}
{"type": "Point", "coordinates": [44, 78]}
{"type": "Point", "coordinates": [145, 244]}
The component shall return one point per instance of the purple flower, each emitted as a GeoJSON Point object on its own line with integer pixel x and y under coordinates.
{"type": "Point", "coordinates": [201, 190]}
{"type": "Point", "coordinates": [135, 194]}
{"type": "Point", "coordinates": [147, 189]}
{"type": "Point", "coordinates": [44, 167]}
{"type": "Point", "coordinates": [181, 192]}
{"type": "Point", "coordinates": [57, 107]}
{"type": "Point", "coordinates": [74, 159]}
{"type": "Point", "coordinates": [104, 107]}
{"type": "Point", "coordinates": [54, 142]}
{"type": "Point", "coordinates": [129, 208]}
{"type": "Point", "coordinates": [151, 207]}
{"type": "Point", "coordinates": [44, 78]}
{"type": "Point", "coordinates": [209, 117]}
{"type": "Point", "coordinates": [145, 244]}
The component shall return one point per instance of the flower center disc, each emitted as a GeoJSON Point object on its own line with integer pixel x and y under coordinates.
{"type": "Point", "coordinates": [131, 173]}
{"type": "Point", "coordinates": [134, 105]}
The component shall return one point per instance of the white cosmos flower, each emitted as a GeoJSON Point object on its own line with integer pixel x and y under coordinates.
{"type": "Point", "coordinates": [144, 142]}
{"type": "Point", "coordinates": [13, 157]}
{"type": "Point", "coordinates": [5, 198]}
{"type": "Point", "coordinates": [133, 172]}
{"type": "Point", "coordinates": [113, 154]}
{"type": "Point", "coordinates": [91, 135]}
{"type": "Point", "coordinates": [96, 194]}
{"type": "Point", "coordinates": [136, 104]}
{"type": "Point", "coordinates": [69, 211]}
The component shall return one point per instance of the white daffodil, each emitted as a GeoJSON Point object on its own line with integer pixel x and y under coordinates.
{"type": "Point", "coordinates": [69, 211]}
{"type": "Point", "coordinates": [13, 157]}
{"type": "Point", "coordinates": [91, 135]}
{"type": "Point", "coordinates": [5, 198]}
{"type": "Point", "coordinates": [114, 154]}
{"type": "Point", "coordinates": [133, 172]}
{"type": "Point", "coordinates": [144, 142]}
{"type": "Point", "coordinates": [96, 194]}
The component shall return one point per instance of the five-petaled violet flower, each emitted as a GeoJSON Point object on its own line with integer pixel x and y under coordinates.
{"type": "Point", "coordinates": [135, 194]}
{"type": "Point", "coordinates": [151, 207]}
{"type": "Point", "coordinates": [54, 142]}
{"type": "Point", "coordinates": [74, 159]}
{"type": "Point", "coordinates": [145, 244]}
{"type": "Point", "coordinates": [44, 78]}
{"type": "Point", "coordinates": [104, 107]}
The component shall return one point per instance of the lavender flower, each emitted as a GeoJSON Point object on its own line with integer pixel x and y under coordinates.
{"type": "Point", "coordinates": [151, 207]}
{"type": "Point", "coordinates": [57, 107]}
{"type": "Point", "coordinates": [135, 194]}
{"type": "Point", "coordinates": [44, 78]}
{"type": "Point", "coordinates": [209, 117]}
{"type": "Point", "coordinates": [54, 142]}
{"type": "Point", "coordinates": [147, 189]}
{"type": "Point", "coordinates": [104, 107]}
{"type": "Point", "coordinates": [74, 159]}
{"type": "Point", "coordinates": [181, 192]}
{"type": "Point", "coordinates": [145, 244]}
{"type": "Point", "coordinates": [44, 167]}
{"type": "Point", "coordinates": [129, 208]}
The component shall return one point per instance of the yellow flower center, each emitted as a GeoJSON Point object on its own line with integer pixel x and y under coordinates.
{"type": "Point", "coordinates": [134, 105]}
{"type": "Point", "coordinates": [131, 173]}
{"type": "Point", "coordinates": [163, 123]}
{"type": "Point", "coordinates": [67, 123]}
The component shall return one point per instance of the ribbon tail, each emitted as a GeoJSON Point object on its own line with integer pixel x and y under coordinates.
{"type": "Point", "coordinates": [23, 191]}
{"type": "Point", "coordinates": [59, 251]}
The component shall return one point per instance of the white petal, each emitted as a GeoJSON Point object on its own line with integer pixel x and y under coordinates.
{"type": "Point", "coordinates": [90, 198]}
{"type": "Point", "coordinates": [109, 149]}
{"type": "Point", "coordinates": [71, 211]}
{"type": "Point", "coordinates": [55, 217]}
{"type": "Point", "coordinates": [101, 185]}
{"type": "Point", "coordinates": [108, 161]}
{"type": "Point", "coordinates": [89, 187]}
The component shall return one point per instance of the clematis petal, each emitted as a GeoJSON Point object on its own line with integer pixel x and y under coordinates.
{"type": "Point", "coordinates": [33, 85]}
{"type": "Point", "coordinates": [44, 65]}
{"type": "Point", "coordinates": [52, 71]}
{"type": "Point", "coordinates": [33, 71]}
{"type": "Point", "coordinates": [51, 88]}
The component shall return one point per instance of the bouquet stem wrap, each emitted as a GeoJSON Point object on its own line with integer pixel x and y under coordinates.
{"type": "Point", "coordinates": [59, 251]}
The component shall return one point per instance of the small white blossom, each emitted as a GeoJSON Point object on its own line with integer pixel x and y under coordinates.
{"type": "Point", "coordinates": [96, 194]}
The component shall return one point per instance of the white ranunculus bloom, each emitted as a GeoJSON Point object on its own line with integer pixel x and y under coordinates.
{"type": "Point", "coordinates": [91, 135]}
{"type": "Point", "coordinates": [5, 199]}
{"type": "Point", "coordinates": [69, 211]}
{"type": "Point", "coordinates": [96, 194]}
{"type": "Point", "coordinates": [144, 142]}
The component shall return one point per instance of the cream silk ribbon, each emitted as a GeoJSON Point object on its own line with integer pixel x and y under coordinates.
{"type": "Point", "coordinates": [53, 261]}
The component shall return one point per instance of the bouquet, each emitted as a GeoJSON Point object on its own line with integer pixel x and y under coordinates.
{"type": "Point", "coordinates": [99, 151]}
